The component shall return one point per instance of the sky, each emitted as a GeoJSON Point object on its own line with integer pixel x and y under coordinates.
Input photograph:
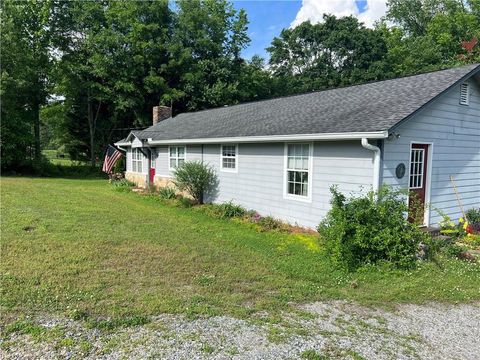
{"type": "Point", "coordinates": [268, 17]}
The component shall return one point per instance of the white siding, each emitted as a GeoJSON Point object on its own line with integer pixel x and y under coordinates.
{"type": "Point", "coordinates": [454, 130]}
{"type": "Point", "coordinates": [128, 158]}
{"type": "Point", "coordinates": [259, 182]}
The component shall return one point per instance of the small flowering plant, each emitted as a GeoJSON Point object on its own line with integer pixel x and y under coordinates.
{"type": "Point", "coordinates": [466, 231]}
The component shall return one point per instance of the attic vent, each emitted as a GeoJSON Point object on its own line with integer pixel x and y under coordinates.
{"type": "Point", "coordinates": [464, 94]}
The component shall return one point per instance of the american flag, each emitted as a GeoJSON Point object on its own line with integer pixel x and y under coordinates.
{"type": "Point", "coordinates": [111, 157]}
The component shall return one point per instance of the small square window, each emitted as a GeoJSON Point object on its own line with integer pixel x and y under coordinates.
{"type": "Point", "coordinates": [177, 156]}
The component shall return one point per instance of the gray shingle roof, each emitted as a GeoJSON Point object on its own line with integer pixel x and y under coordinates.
{"type": "Point", "coordinates": [376, 106]}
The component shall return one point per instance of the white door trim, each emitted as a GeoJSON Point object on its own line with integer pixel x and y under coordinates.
{"type": "Point", "coordinates": [428, 182]}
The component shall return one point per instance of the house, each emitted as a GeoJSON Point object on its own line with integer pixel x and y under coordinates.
{"type": "Point", "coordinates": [280, 156]}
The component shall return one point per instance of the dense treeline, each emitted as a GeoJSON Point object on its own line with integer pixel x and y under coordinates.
{"type": "Point", "coordinates": [78, 74]}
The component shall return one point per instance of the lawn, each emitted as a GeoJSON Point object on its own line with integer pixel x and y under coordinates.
{"type": "Point", "coordinates": [80, 248]}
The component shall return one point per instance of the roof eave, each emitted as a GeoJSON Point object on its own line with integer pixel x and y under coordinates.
{"type": "Point", "coordinates": [275, 138]}
{"type": "Point", "coordinates": [470, 74]}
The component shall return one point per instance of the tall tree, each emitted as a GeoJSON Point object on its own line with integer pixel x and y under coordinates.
{"type": "Point", "coordinates": [111, 71]}
{"type": "Point", "coordinates": [428, 34]}
{"type": "Point", "coordinates": [337, 51]}
{"type": "Point", "coordinates": [28, 31]}
{"type": "Point", "coordinates": [205, 64]}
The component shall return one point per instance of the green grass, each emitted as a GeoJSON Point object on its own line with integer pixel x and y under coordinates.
{"type": "Point", "coordinates": [79, 248]}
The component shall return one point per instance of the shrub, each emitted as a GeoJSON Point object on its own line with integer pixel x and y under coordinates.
{"type": "Point", "coordinates": [226, 211]}
{"type": "Point", "coordinates": [473, 218]}
{"type": "Point", "coordinates": [269, 223]}
{"type": "Point", "coordinates": [119, 166]}
{"type": "Point", "coordinates": [166, 192]}
{"type": "Point", "coordinates": [122, 185]}
{"type": "Point", "coordinates": [196, 178]}
{"type": "Point", "coordinates": [473, 215]}
{"type": "Point", "coordinates": [185, 202]}
{"type": "Point", "coordinates": [370, 228]}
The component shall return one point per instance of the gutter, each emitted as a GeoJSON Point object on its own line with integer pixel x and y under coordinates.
{"type": "Point", "coordinates": [376, 163]}
{"type": "Point", "coordinates": [275, 138]}
{"type": "Point", "coordinates": [118, 144]}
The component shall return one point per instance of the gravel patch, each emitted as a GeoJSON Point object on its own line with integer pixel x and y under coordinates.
{"type": "Point", "coordinates": [336, 330]}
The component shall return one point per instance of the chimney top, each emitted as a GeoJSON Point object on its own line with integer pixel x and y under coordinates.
{"type": "Point", "coordinates": [161, 113]}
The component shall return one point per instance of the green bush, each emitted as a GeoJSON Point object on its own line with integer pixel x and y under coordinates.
{"type": "Point", "coordinates": [268, 223]}
{"type": "Point", "coordinates": [370, 228]}
{"type": "Point", "coordinates": [122, 185]}
{"type": "Point", "coordinates": [196, 178]}
{"type": "Point", "coordinates": [185, 202]}
{"type": "Point", "coordinates": [119, 166]}
{"type": "Point", "coordinates": [473, 215]}
{"type": "Point", "coordinates": [225, 211]}
{"type": "Point", "coordinates": [166, 193]}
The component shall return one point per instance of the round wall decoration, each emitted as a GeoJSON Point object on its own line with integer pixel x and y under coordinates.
{"type": "Point", "coordinates": [400, 170]}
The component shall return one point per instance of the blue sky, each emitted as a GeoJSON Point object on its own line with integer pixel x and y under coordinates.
{"type": "Point", "coordinates": [268, 18]}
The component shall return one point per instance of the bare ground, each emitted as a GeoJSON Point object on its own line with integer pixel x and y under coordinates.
{"type": "Point", "coordinates": [328, 330]}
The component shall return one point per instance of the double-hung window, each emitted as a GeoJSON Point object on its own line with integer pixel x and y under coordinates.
{"type": "Point", "coordinates": [177, 156]}
{"type": "Point", "coordinates": [298, 170]}
{"type": "Point", "coordinates": [229, 157]}
{"type": "Point", "coordinates": [137, 158]}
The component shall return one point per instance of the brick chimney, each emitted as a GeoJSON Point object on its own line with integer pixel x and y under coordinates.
{"type": "Point", "coordinates": [161, 113]}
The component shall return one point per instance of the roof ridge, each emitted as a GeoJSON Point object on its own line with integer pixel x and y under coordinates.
{"type": "Point", "coordinates": [325, 90]}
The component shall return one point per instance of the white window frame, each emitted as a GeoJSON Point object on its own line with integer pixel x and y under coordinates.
{"type": "Point", "coordinates": [176, 157]}
{"type": "Point", "coordinates": [419, 173]}
{"type": "Point", "coordinates": [286, 194]}
{"type": "Point", "coordinates": [465, 86]}
{"type": "Point", "coordinates": [235, 157]}
{"type": "Point", "coordinates": [137, 159]}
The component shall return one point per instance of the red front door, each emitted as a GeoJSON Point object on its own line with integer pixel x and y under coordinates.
{"type": "Point", "coordinates": [151, 171]}
{"type": "Point", "coordinates": [417, 183]}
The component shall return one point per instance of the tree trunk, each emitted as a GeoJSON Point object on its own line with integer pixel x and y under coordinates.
{"type": "Point", "coordinates": [92, 126]}
{"type": "Point", "coordinates": [91, 130]}
{"type": "Point", "coordinates": [36, 129]}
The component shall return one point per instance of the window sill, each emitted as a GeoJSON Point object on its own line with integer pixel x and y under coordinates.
{"type": "Point", "coordinates": [305, 199]}
{"type": "Point", "coordinates": [229, 170]}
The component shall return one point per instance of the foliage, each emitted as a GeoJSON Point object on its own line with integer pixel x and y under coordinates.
{"type": "Point", "coordinates": [122, 185]}
{"type": "Point", "coordinates": [473, 217]}
{"type": "Point", "coordinates": [427, 35]}
{"type": "Point", "coordinates": [28, 32]}
{"type": "Point", "coordinates": [269, 223]}
{"type": "Point", "coordinates": [166, 192]}
{"type": "Point", "coordinates": [120, 165]}
{"type": "Point", "coordinates": [225, 211]}
{"type": "Point", "coordinates": [81, 74]}
{"type": "Point", "coordinates": [370, 228]}
{"type": "Point", "coordinates": [196, 178]}
{"type": "Point", "coordinates": [466, 231]}
{"type": "Point", "coordinates": [337, 51]}
{"type": "Point", "coordinates": [185, 202]}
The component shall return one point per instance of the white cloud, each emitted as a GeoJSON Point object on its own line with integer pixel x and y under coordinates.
{"type": "Point", "coordinates": [313, 10]}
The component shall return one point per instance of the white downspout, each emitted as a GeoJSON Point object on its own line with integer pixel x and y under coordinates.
{"type": "Point", "coordinates": [376, 163]}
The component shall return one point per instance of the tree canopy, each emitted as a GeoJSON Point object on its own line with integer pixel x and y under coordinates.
{"type": "Point", "coordinates": [78, 75]}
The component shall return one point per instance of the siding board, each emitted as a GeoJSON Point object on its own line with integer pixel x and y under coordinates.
{"type": "Point", "coordinates": [454, 130]}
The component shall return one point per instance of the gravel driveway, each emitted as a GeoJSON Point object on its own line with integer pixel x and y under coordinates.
{"type": "Point", "coordinates": [328, 330]}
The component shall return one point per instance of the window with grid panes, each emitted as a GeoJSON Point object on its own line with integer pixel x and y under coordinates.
{"type": "Point", "coordinates": [229, 157]}
{"type": "Point", "coordinates": [298, 172]}
{"type": "Point", "coordinates": [416, 168]}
